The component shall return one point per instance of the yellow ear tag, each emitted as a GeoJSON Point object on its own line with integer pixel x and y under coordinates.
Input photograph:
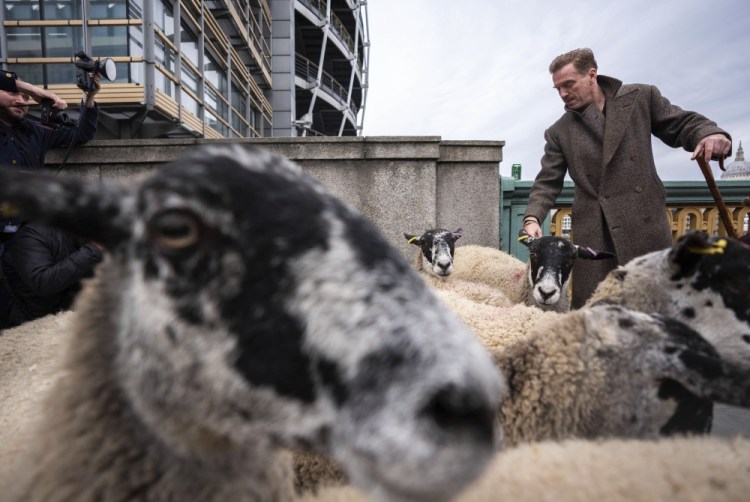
{"type": "Point", "coordinates": [715, 248]}
{"type": "Point", "coordinates": [411, 240]}
{"type": "Point", "coordinates": [8, 210]}
{"type": "Point", "coordinates": [523, 238]}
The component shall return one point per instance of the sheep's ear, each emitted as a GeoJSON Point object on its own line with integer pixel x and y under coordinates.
{"type": "Point", "coordinates": [87, 209]}
{"type": "Point", "coordinates": [690, 249]}
{"type": "Point", "coordinates": [525, 238]}
{"type": "Point", "coordinates": [592, 254]}
{"type": "Point", "coordinates": [456, 234]}
{"type": "Point", "coordinates": [413, 239]}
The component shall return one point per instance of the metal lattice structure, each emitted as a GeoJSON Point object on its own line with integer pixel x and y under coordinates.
{"type": "Point", "coordinates": [331, 62]}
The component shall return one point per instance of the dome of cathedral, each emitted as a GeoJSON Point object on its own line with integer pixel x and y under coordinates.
{"type": "Point", "coordinates": [739, 169]}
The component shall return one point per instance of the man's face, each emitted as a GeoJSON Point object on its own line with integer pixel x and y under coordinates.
{"type": "Point", "coordinates": [575, 89]}
{"type": "Point", "coordinates": [13, 106]}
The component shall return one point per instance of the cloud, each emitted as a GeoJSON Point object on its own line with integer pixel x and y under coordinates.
{"type": "Point", "coordinates": [478, 69]}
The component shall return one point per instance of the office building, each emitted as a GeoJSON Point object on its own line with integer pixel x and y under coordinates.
{"type": "Point", "coordinates": [213, 69]}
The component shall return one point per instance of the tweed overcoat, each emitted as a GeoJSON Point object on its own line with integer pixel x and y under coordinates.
{"type": "Point", "coordinates": [620, 202]}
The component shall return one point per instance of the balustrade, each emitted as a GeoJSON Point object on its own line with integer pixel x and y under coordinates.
{"type": "Point", "coordinates": [682, 219]}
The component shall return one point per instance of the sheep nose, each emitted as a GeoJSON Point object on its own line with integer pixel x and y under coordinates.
{"type": "Point", "coordinates": [546, 294]}
{"type": "Point", "coordinates": [462, 412]}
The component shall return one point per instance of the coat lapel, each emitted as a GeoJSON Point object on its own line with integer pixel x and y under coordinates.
{"type": "Point", "coordinates": [617, 122]}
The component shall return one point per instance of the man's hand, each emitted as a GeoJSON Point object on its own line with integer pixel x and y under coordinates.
{"type": "Point", "coordinates": [532, 228]}
{"type": "Point", "coordinates": [39, 94]}
{"type": "Point", "coordinates": [714, 146]}
{"type": "Point", "coordinates": [95, 78]}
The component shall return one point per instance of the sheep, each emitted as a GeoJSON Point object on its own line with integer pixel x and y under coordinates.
{"type": "Point", "coordinates": [31, 363]}
{"type": "Point", "coordinates": [543, 281]}
{"type": "Point", "coordinates": [601, 371]}
{"type": "Point", "coordinates": [435, 264]}
{"type": "Point", "coordinates": [241, 309]}
{"type": "Point", "coordinates": [681, 468]}
{"type": "Point", "coordinates": [606, 370]}
{"type": "Point", "coordinates": [702, 281]}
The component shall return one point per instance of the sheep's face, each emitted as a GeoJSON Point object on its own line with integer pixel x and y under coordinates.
{"type": "Point", "coordinates": [662, 375]}
{"type": "Point", "coordinates": [437, 247]}
{"type": "Point", "coordinates": [551, 261]}
{"type": "Point", "coordinates": [251, 306]}
{"type": "Point", "coordinates": [702, 281]}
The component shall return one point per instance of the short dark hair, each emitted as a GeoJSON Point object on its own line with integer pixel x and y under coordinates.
{"type": "Point", "coordinates": [582, 59]}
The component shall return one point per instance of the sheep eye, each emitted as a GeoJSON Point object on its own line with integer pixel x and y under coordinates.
{"type": "Point", "coordinates": [175, 230]}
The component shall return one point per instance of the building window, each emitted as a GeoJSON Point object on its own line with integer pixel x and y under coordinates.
{"type": "Point", "coordinates": [164, 18]}
{"type": "Point", "coordinates": [189, 78]}
{"type": "Point", "coordinates": [62, 41]}
{"type": "Point", "coordinates": [188, 45]}
{"type": "Point", "coordinates": [22, 10]}
{"type": "Point", "coordinates": [24, 42]}
{"type": "Point", "coordinates": [189, 103]}
{"type": "Point", "coordinates": [135, 40]}
{"type": "Point", "coordinates": [567, 224]}
{"type": "Point", "coordinates": [63, 9]}
{"type": "Point", "coordinates": [109, 40]}
{"type": "Point", "coordinates": [108, 9]}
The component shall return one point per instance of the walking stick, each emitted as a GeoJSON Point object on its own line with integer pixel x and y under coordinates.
{"type": "Point", "coordinates": [723, 212]}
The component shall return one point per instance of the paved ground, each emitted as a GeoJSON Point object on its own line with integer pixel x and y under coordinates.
{"type": "Point", "coordinates": [730, 421]}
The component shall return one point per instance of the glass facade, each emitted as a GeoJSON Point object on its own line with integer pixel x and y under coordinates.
{"type": "Point", "coordinates": [182, 79]}
{"type": "Point", "coordinates": [207, 72]}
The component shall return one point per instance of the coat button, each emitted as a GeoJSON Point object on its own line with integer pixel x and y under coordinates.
{"type": "Point", "coordinates": [602, 198]}
{"type": "Point", "coordinates": [638, 188]}
{"type": "Point", "coordinates": [13, 162]}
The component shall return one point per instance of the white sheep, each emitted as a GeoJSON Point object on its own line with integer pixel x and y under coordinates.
{"type": "Point", "coordinates": [31, 364]}
{"type": "Point", "coordinates": [543, 281]}
{"type": "Point", "coordinates": [242, 309]}
{"type": "Point", "coordinates": [670, 469]}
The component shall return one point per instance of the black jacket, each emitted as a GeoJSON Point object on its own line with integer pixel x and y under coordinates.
{"type": "Point", "coordinates": [44, 268]}
{"type": "Point", "coordinates": [25, 144]}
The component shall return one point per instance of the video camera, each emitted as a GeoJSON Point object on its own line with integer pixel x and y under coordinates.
{"type": "Point", "coordinates": [85, 65]}
{"type": "Point", "coordinates": [51, 117]}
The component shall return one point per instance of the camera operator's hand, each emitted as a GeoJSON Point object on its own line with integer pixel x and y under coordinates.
{"type": "Point", "coordinates": [39, 94]}
{"type": "Point", "coordinates": [95, 78]}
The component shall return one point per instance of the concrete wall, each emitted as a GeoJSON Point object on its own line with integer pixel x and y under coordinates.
{"type": "Point", "coordinates": [401, 184]}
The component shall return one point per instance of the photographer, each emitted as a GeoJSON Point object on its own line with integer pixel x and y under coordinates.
{"type": "Point", "coordinates": [43, 269]}
{"type": "Point", "coordinates": [23, 142]}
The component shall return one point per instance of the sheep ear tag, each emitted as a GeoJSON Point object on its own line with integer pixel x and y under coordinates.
{"type": "Point", "coordinates": [690, 250]}
{"type": "Point", "coordinates": [411, 239]}
{"type": "Point", "coordinates": [525, 238]}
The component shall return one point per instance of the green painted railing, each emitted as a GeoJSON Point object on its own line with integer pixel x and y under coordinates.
{"type": "Point", "coordinates": [689, 206]}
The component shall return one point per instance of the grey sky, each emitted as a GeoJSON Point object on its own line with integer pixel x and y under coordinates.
{"type": "Point", "coordinates": [477, 69]}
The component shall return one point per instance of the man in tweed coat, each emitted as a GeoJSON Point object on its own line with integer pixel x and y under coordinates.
{"type": "Point", "coordinates": [604, 140]}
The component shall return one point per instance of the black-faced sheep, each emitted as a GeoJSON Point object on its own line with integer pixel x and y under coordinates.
{"type": "Point", "coordinates": [543, 281]}
{"type": "Point", "coordinates": [435, 263]}
{"type": "Point", "coordinates": [242, 309]}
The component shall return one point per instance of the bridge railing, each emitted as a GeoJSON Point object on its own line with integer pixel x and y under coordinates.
{"type": "Point", "coordinates": [690, 206]}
